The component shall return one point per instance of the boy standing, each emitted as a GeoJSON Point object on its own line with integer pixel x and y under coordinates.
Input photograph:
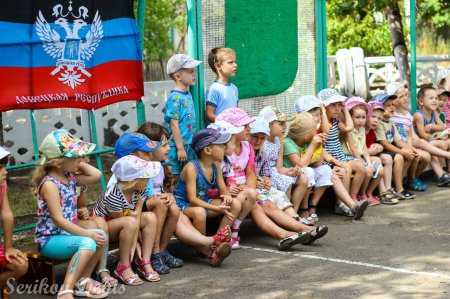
{"type": "Point", "coordinates": [179, 112]}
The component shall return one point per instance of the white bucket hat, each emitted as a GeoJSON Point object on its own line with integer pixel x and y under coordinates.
{"type": "Point", "coordinates": [130, 168]}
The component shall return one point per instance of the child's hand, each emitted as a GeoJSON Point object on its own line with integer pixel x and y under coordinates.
{"type": "Point", "coordinates": [83, 213]}
{"type": "Point", "coordinates": [317, 139]}
{"type": "Point", "coordinates": [235, 190]}
{"type": "Point", "coordinates": [267, 183]}
{"type": "Point", "coordinates": [339, 172]}
{"type": "Point", "coordinates": [97, 237]}
{"type": "Point", "coordinates": [181, 154]}
{"type": "Point", "coordinates": [293, 171]}
{"type": "Point", "coordinates": [375, 149]}
{"type": "Point", "coordinates": [165, 198]}
{"type": "Point", "coordinates": [227, 199]}
{"type": "Point", "coordinates": [407, 153]}
{"type": "Point", "coordinates": [260, 183]}
{"type": "Point", "coordinates": [12, 254]}
{"type": "Point", "coordinates": [225, 210]}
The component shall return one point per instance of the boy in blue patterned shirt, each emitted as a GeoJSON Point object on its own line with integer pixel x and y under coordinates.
{"type": "Point", "coordinates": [179, 112]}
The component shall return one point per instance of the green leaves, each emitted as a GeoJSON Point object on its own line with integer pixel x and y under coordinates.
{"type": "Point", "coordinates": [161, 18]}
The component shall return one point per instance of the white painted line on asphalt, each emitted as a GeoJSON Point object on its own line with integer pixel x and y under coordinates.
{"type": "Point", "coordinates": [348, 262]}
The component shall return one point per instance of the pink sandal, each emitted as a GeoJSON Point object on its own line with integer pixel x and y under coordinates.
{"type": "Point", "coordinates": [151, 276]}
{"type": "Point", "coordinates": [132, 280]}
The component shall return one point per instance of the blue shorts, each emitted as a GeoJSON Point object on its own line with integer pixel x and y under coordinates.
{"type": "Point", "coordinates": [63, 247]}
{"type": "Point", "coordinates": [176, 166]}
{"type": "Point", "coordinates": [183, 204]}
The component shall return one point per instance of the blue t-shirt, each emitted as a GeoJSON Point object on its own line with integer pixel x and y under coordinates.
{"type": "Point", "coordinates": [180, 106]}
{"type": "Point", "coordinates": [222, 96]}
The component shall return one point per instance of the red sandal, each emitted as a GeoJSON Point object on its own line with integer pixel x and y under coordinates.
{"type": "Point", "coordinates": [223, 235]}
{"type": "Point", "coordinates": [151, 276]}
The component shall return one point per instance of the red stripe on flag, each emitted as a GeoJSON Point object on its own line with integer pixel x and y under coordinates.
{"type": "Point", "coordinates": [36, 88]}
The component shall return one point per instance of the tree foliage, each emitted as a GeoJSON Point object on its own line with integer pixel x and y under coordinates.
{"type": "Point", "coordinates": [162, 16]}
{"type": "Point", "coordinates": [353, 23]}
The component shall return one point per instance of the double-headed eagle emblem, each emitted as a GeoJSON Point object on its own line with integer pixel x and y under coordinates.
{"type": "Point", "coordinates": [71, 41]}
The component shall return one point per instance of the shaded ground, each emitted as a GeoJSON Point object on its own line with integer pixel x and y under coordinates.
{"type": "Point", "coordinates": [394, 252]}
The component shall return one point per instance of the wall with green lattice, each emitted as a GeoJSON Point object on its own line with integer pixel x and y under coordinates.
{"type": "Point", "coordinates": [275, 42]}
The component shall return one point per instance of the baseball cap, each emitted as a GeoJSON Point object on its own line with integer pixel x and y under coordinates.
{"type": "Point", "coordinates": [269, 114]}
{"type": "Point", "coordinates": [306, 103]}
{"type": "Point", "coordinates": [235, 116]}
{"type": "Point", "coordinates": [303, 124]}
{"type": "Point", "coordinates": [355, 101]}
{"type": "Point", "coordinates": [129, 143]}
{"type": "Point", "coordinates": [392, 88]}
{"type": "Point", "coordinates": [60, 143]}
{"type": "Point", "coordinates": [209, 136]}
{"type": "Point", "coordinates": [374, 105]}
{"type": "Point", "coordinates": [223, 126]}
{"type": "Point", "coordinates": [130, 168]}
{"type": "Point", "coordinates": [337, 98]}
{"type": "Point", "coordinates": [3, 153]}
{"type": "Point", "coordinates": [326, 93]}
{"type": "Point", "coordinates": [260, 125]}
{"type": "Point", "coordinates": [181, 61]}
{"type": "Point", "coordinates": [383, 97]}
{"type": "Point", "coordinates": [443, 91]}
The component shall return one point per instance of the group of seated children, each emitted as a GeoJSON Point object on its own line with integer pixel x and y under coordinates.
{"type": "Point", "coordinates": [169, 180]}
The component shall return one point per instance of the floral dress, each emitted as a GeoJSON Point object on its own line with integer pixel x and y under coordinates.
{"type": "Point", "coordinates": [280, 181]}
{"type": "Point", "coordinates": [45, 227]}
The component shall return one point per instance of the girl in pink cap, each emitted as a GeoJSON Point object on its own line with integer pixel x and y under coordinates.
{"type": "Point", "coordinates": [238, 168]}
{"type": "Point", "coordinates": [356, 145]}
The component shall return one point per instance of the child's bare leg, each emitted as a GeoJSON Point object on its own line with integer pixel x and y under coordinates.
{"type": "Point", "coordinates": [290, 212]}
{"type": "Point", "coordinates": [367, 180]}
{"type": "Point", "coordinates": [93, 262]}
{"type": "Point", "coordinates": [235, 210]}
{"type": "Point", "coordinates": [160, 210]}
{"type": "Point", "coordinates": [198, 218]}
{"type": "Point", "coordinates": [399, 163]}
{"type": "Point", "coordinates": [148, 234]}
{"type": "Point", "coordinates": [437, 166]}
{"type": "Point", "coordinates": [425, 160]}
{"type": "Point", "coordinates": [358, 178]}
{"type": "Point", "coordinates": [315, 198]}
{"type": "Point", "coordinates": [412, 171]}
{"type": "Point", "coordinates": [374, 183]}
{"type": "Point", "coordinates": [248, 200]}
{"type": "Point", "coordinates": [173, 213]}
{"type": "Point", "coordinates": [124, 230]}
{"type": "Point", "coordinates": [299, 191]}
{"type": "Point", "coordinates": [341, 192]}
{"type": "Point", "coordinates": [188, 234]}
{"type": "Point", "coordinates": [76, 267]}
{"type": "Point", "coordinates": [387, 161]}
{"type": "Point", "coordinates": [267, 225]}
{"type": "Point", "coordinates": [431, 148]}
{"type": "Point", "coordinates": [280, 218]}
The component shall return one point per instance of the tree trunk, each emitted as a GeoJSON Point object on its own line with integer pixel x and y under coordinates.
{"type": "Point", "coordinates": [398, 39]}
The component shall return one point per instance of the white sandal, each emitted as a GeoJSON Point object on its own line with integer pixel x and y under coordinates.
{"type": "Point", "coordinates": [81, 290]}
{"type": "Point", "coordinates": [64, 292]}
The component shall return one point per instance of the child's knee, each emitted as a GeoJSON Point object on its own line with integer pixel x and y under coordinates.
{"type": "Point", "coordinates": [399, 159]}
{"type": "Point", "coordinates": [358, 167]}
{"type": "Point", "coordinates": [250, 194]}
{"type": "Point", "coordinates": [174, 211]}
{"type": "Point", "coordinates": [198, 213]}
{"type": "Point", "coordinates": [148, 218]}
{"type": "Point", "coordinates": [87, 243]}
{"type": "Point", "coordinates": [236, 207]}
{"type": "Point", "coordinates": [425, 157]}
{"type": "Point", "coordinates": [130, 223]}
{"type": "Point", "coordinates": [386, 159]}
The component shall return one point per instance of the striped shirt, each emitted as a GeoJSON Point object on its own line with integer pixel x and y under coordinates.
{"type": "Point", "coordinates": [114, 201]}
{"type": "Point", "coordinates": [333, 144]}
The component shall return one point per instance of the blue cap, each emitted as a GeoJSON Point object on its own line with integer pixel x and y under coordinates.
{"type": "Point", "coordinates": [129, 143]}
{"type": "Point", "coordinates": [208, 136]}
{"type": "Point", "coordinates": [383, 97]}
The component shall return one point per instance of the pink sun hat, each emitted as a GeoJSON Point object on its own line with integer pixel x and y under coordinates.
{"type": "Point", "coordinates": [355, 101]}
{"type": "Point", "coordinates": [235, 116]}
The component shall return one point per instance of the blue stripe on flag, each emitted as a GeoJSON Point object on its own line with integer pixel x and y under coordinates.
{"type": "Point", "coordinates": [20, 46]}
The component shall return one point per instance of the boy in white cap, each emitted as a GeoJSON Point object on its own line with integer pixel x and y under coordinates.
{"type": "Point", "coordinates": [179, 112]}
{"type": "Point", "coordinates": [315, 107]}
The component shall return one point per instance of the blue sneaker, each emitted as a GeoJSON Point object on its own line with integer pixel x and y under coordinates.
{"type": "Point", "coordinates": [423, 185]}
{"type": "Point", "coordinates": [170, 260]}
{"type": "Point", "coordinates": [158, 264]}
